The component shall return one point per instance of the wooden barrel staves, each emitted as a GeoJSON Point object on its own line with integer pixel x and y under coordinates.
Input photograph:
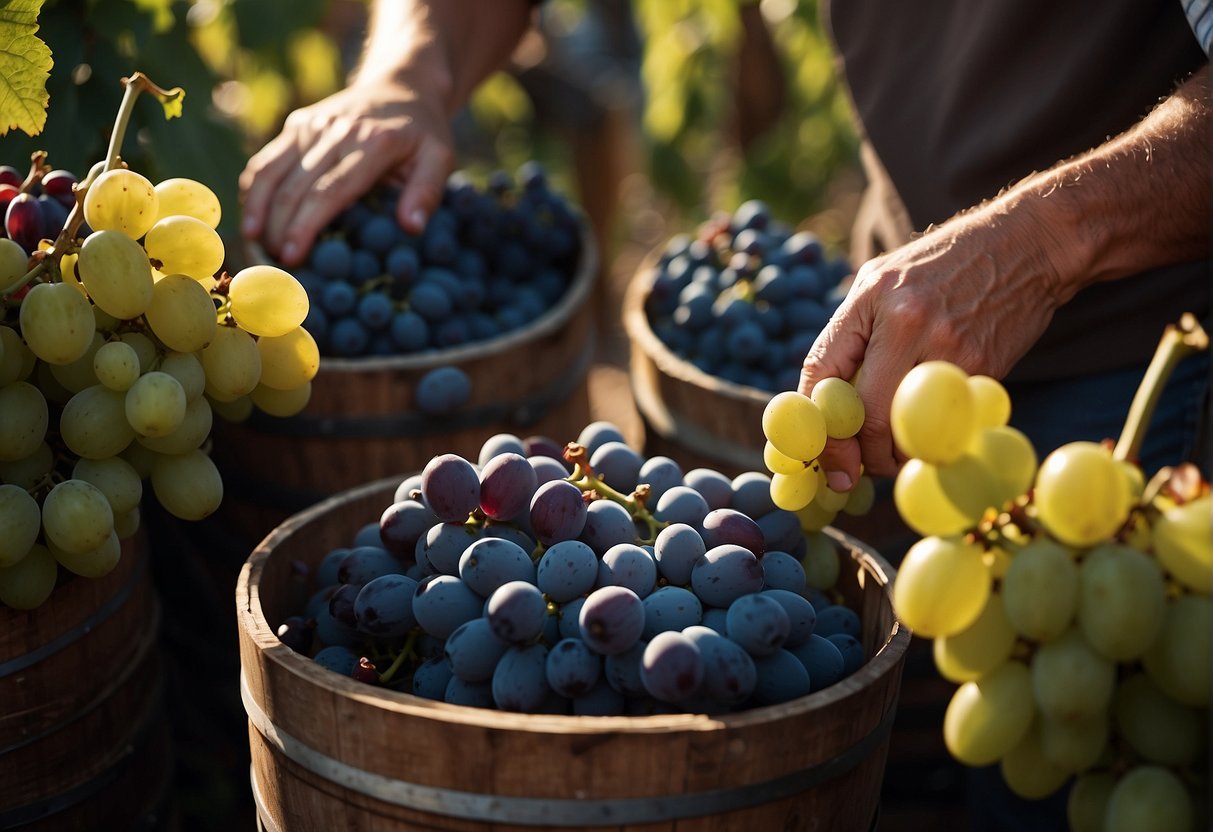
{"type": "Point", "coordinates": [696, 418]}
{"type": "Point", "coordinates": [330, 752]}
{"type": "Point", "coordinates": [84, 742]}
{"type": "Point", "coordinates": [362, 423]}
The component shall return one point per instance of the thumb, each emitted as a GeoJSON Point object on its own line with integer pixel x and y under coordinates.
{"type": "Point", "coordinates": [423, 191]}
{"type": "Point", "coordinates": [838, 351]}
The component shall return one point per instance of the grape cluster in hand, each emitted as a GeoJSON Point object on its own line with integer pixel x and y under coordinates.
{"type": "Point", "coordinates": [591, 582]}
{"type": "Point", "coordinates": [491, 259]}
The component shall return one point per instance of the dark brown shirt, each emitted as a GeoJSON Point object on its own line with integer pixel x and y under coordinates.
{"type": "Point", "coordinates": [959, 99]}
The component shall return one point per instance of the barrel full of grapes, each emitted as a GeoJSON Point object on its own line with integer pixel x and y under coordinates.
{"type": "Point", "coordinates": [331, 752]}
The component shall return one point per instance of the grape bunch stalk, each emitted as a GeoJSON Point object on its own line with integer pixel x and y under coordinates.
{"type": "Point", "coordinates": [1070, 601]}
{"type": "Point", "coordinates": [119, 340]}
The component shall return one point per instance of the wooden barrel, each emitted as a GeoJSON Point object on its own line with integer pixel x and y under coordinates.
{"type": "Point", "coordinates": [694, 417]}
{"type": "Point", "coordinates": [84, 741]}
{"type": "Point", "coordinates": [329, 752]}
{"type": "Point", "coordinates": [362, 424]}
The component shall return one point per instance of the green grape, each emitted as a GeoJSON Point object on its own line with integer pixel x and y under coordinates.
{"type": "Point", "coordinates": [288, 361]}
{"type": "Point", "coordinates": [115, 270]}
{"type": "Point", "coordinates": [21, 519]}
{"type": "Point", "coordinates": [998, 561]}
{"type": "Point", "coordinates": [1183, 543]}
{"type": "Point", "coordinates": [827, 498]}
{"type": "Point", "coordinates": [931, 414]}
{"type": "Point", "coordinates": [988, 717]}
{"type": "Point", "coordinates": [16, 359]}
{"type": "Point", "coordinates": [29, 582]}
{"type": "Point", "coordinates": [941, 587]}
{"type": "Point", "coordinates": [141, 458]}
{"type": "Point", "coordinates": [1149, 799]}
{"type": "Point", "coordinates": [190, 434]}
{"type": "Point", "coordinates": [30, 470]}
{"type": "Point", "coordinates": [861, 498]}
{"type": "Point", "coordinates": [794, 425]}
{"type": "Point", "coordinates": [116, 365]}
{"type": "Point", "coordinates": [1009, 460]}
{"type": "Point", "coordinates": [187, 485]}
{"type": "Point", "coordinates": [1081, 495]}
{"type": "Point", "coordinates": [121, 200]}
{"type": "Point", "coordinates": [281, 403]}
{"type": "Point", "coordinates": [267, 301]}
{"type": "Point", "coordinates": [778, 463]}
{"type": "Point", "coordinates": [232, 364]}
{"type": "Point", "coordinates": [979, 648]}
{"type": "Point", "coordinates": [1041, 590]}
{"type": "Point", "coordinates": [187, 197]}
{"type": "Point", "coordinates": [991, 402]}
{"type": "Point", "coordinates": [1158, 728]}
{"type": "Point", "coordinates": [126, 524]}
{"type": "Point", "coordinates": [1121, 601]}
{"type": "Point", "coordinates": [54, 392]}
{"type": "Point", "coordinates": [93, 564]}
{"type": "Point", "coordinates": [1070, 680]}
{"type": "Point", "coordinates": [185, 245]}
{"type": "Point", "coordinates": [840, 406]}
{"type": "Point", "coordinates": [1135, 478]}
{"type": "Point", "coordinates": [78, 374]}
{"type": "Point", "coordinates": [105, 321]}
{"type": "Point", "coordinates": [25, 416]}
{"type": "Point", "coordinates": [235, 411]}
{"type": "Point", "coordinates": [792, 492]}
{"type": "Point", "coordinates": [155, 404]}
{"type": "Point", "coordinates": [1087, 805]}
{"type": "Point", "coordinates": [93, 424]}
{"type": "Point", "coordinates": [820, 561]}
{"type": "Point", "coordinates": [1179, 659]}
{"type": "Point", "coordinates": [143, 346]}
{"type": "Point", "coordinates": [942, 500]}
{"type": "Point", "coordinates": [14, 264]}
{"type": "Point", "coordinates": [76, 516]}
{"type": "Point", "coordinates": [187, 369]}
{"type": "Point", "coordinates": [1028, 772]}
{"type": "Point", "coordinates": [1074, 745]}
{"type": "Point", "coordinates": [116, 478]}
{"type": "Point", "coordinates": [813, 518]}
{"type": "Point", "coordinates": [182, 314]}
{"type": "Point", "coordinates": [57, 323]}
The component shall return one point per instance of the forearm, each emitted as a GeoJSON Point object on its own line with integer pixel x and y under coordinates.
{"type": "Point", "coordinates": [1139, 201]}
{"type": "Point", "coordinates": [441, 48]}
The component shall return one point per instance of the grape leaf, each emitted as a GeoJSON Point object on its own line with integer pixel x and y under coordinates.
{"type": "Point", "coordinates": [25, 64]}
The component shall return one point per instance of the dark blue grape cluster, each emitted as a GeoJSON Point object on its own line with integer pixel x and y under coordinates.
{"type": "Point", "coordinates": [37, 209]}
{"type": "Point", "coordinates": [490, 260]}
{"type": "Point", "coordinates": [546, 582]}
{"type": "Point", "coordinates": [745, 297]}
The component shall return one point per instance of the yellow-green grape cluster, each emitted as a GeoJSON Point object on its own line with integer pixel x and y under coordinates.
{"type": "Point", "coordinates": [1070, 603]}
{"type": "Point", "coordinates": [796, 428]}
{"type": "Point", "coordinates": [112, 366]}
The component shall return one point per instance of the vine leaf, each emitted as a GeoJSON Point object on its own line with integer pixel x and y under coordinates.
{"type": "Point", "coordinates": [25, 64]}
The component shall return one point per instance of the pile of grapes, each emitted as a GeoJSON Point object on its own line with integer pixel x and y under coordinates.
{"type": "Point", "coordinates": [489, 261]}
{"type": "Point", "coordinates": [118, 342]}
{"type": "Point", "coordinates": [744, 299]}
{"type": "Point", "coordinates": [587, 580]}
{"type": "Point", "coordinates": [1070, 602]}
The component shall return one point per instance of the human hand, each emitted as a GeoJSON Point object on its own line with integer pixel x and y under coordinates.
{"type": "Point", "coordinates": [330, 153]}
{"type": "Point", "coordinates": [977, 291]}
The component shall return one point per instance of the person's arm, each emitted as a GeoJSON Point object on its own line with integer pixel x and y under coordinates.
{"type": "Point", "coordinates": [980, 289]}
{"type": "Point", "coordinates": [421, 62]}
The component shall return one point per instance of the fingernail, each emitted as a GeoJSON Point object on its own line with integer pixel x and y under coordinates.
{"type": "Point", "coordinates": [249, 226]}
{"type": "Point", "coordinates": [417, 219]}
{"type": "Point", "coordinates": [290, 251]}
{"type": "Point", "coordinates": [838, 481]}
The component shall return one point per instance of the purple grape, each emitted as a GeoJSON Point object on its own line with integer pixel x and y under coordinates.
{"type": "Point", "coordinates": [402, 524]}
{"type": "Point", "coordinates": [851, 650]}
{"type": "Point", "coordinates": [802, 617]}
{"type": "Point", "coordinates": [781, 678]}
{"type": "Point", "coordinates": [468, 694]}
{"type": "Point", "coordinates": [492, 562]}
{"type": "Point", "coordinates": [822, 659]}
{"type": "Point", "coordinates": [672, 667]}
{"type": "Point", "coordinates": [329, 630]}
{"type": "Point", "coordinates": [596, 434]}
{"type": "Point", "coordinates": [670, 608]}
{"type": "Point", "coordinates": [752, 494]}
{"type": "Point", "coordinates": [473, 651]}
{"type": "Point", "coordinates": [443, 544]}
{"type": "Point", "coordinates": [442, 389]}
{"type": "Point", "coordinates": [326, 572]}
{"type": "Point", "coordinates": [9, 175]}
{"type": "Point", "coordinates": [782, 571]}
{"type": "Point", "coordinates": [520, 679]}
{"type": "Point", "coordinates": [572, 668]}
{"type": "Point", "coordinates": [838, 619]}
{"type": "Point", "coordinates": [431, 678]}
{"type": "Point", "coordinates": [682, 504]}
{"type": "Point", "coordinates": [570, 617]}
{"type": "Point", "coordinates": [729, 673]}
{"type": "Point", "coordinates": [384, 606]}
{"type": "Point", "coordinates": [677, 548]}
{"type": "Point", "coordinates": [726, 525]}
{"type": "Point", "coordinates": [622, 670]}
{"type": "Point", "coordinates": [612, 619]}
{"type": "Point", "coordinates": [507, 483]}
{"type": "Point", "coordinates": [443, 602]}
{"type": "Point", "coordinates": [758, 623]}
{"type": "Point", "coordinates": [606, 524]}
{"type": "Point", "coordinates": [600, 700]}
{"type": "Point", "coordinates": [341, 605]}
{"type": "Point", "coordinates": [500, 443]}
{"type": "Point", "coordinates": [517, 612]}
{"type": "Point", "coordinates": [365, 563]}
{"type": "Point", "coordinates": [337, 658]}
{"type": "Point", "coordinates": [296, 634]}
{"type": "Point", "coordinates": [661, 474]}
{"type": "Point", "coordinates": [451, 487]}
{"type": "Point", "coordinates": [558, 512]}
{"type": "Point", "coordinates": [23, 222]}
{"type": "Point", "coordinates": [566, 570]}
{"type": "Point", "coordinates": [547, 469]}
{"type": "Point", "coordinates": [628, 565]}
{"type": "Point", "coordinates": [725, 573]}
{"type": "Point", "coordinates": [58, 185]}
{"type": "Point", "coordinates": [716, 488]}
{"type": "Point", "coordinates": [781, 530]}
{"type": "Point", "coordinates": [512, 532]}
{"type": "Point", "coordinates": [617, 464]}
{"type": "Point", "coordinates": [543, 446]}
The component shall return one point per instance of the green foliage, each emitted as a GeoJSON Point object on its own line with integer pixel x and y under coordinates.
{"type": "Point", "coordinates": [25, 63]}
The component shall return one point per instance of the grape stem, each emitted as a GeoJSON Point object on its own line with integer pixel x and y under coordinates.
{"type": "Point", "coordinates": [405, 651]}
{"type": "Point", "coordinates": [583, 477]}
{"type": "Point", "coordinates": [1178, 342]}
